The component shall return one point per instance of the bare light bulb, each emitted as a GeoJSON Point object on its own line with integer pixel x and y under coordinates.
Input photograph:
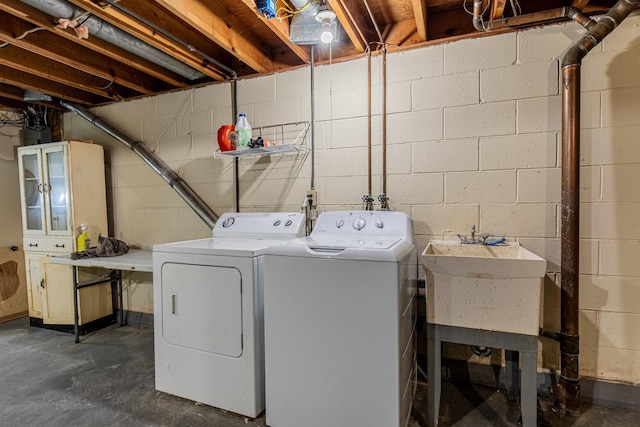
{"type": "Point", "coordinates": [326, 36]}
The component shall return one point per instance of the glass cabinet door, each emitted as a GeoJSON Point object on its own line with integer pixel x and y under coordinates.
{"type": "Point", "coordinates": [32, 187]}
{"type": "Point", "coordinates": [56, 190]}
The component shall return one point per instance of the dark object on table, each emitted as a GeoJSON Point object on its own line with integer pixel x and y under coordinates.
{"type": "Point", "coordinates": [107, 247]}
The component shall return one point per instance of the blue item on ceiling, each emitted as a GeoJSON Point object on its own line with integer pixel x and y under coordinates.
{"type": "Point", "coordinates": [267, 8]}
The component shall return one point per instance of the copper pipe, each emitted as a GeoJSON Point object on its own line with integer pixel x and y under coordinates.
{"type": "Point", "coordinates": [369, 123]}
{"type": "Point", "coordinates": [567, 391]}
{"type": "Point", "coordinates": [528, 19]}
{"type": "Point", "coordinates": [384, 120]}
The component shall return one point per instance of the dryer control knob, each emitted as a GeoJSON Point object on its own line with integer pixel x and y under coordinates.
{"type": "Point", "coordinates": [228, 222]}
{"type": "Point", "coordinates": [359, 223]}
{"type": "Point", "coordinates": [379, 223]}
{"type": "Point", "coordinates": [277, 223]}
{"type": "Point", "coordinates": [288, 223]}
{"type": "Point", "coordinates": [339, 223]}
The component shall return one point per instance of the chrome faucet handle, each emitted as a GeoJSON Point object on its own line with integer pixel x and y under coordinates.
{"type": "Point", "coordinates": [463, 239]}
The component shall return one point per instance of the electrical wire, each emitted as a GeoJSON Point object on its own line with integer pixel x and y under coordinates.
{"type": "Point", "coordinates": [290, 11]}
{"type": "Point", "coordinates": [23, 35]}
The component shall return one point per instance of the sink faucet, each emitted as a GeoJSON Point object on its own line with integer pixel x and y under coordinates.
{"type": "Point", "coordinates": [473, 241]}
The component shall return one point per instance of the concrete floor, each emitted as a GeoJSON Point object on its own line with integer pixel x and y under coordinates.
{"type": "Point", "coordinates": [108, 380]}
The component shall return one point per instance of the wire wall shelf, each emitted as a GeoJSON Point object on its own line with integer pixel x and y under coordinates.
{"type": "Point", "coordinates": [278, 139]}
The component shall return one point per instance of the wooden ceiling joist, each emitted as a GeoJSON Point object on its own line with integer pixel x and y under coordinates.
{"type": "Point", "coordinates": [356, 22]}
{"type": "Point", "coordinates": [420, 11]}
{"type": "Point", "coordinates": [40, 19]}
{"type": "Point", "coordinates": [151, 37]}
{"type": "Point", "coordinates": [14, 77]}
{"type": "Point", "coordinates": [221, 27]}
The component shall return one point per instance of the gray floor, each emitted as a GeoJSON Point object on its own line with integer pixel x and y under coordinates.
{"type": "Point", "coordinates": [107, 380]}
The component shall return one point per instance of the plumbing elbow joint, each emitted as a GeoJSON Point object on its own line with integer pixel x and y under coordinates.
{"type": "Point", "coordinates": [477, 15]}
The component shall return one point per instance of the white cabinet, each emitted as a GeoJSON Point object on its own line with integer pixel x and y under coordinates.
{"type": "Point", "coordinates": [62, 185]}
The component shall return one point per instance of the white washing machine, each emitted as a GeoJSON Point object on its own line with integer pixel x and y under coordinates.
{"type": "Point", "coordinates": [340, 323]}
{"type": "Point", "coordinates": [208, 314]}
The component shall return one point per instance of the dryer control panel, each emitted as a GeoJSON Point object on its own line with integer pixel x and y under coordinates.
{"type": "Point", "coordinates": [260, 225]}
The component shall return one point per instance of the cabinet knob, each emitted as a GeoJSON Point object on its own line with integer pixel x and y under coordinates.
{"type": "Point", "coordinates": [59, 246]}
{"type": "Point", "coordinates": [42, 283]}
{"type": "Point", "coordinates": [33, 245]}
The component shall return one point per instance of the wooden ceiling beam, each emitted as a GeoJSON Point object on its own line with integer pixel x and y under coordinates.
{"type": "Point", "coordinates": [215, 22]}
{"type": "Point", "coordinates": [41, 19]}
{"type": "Point", "coordinates": [14, 77]}
{"type": "Point", "coordinates": [580, 4]}
{"type": "Point", "coordinates": [49, 46]}
{"type": "Point", "coordinates": [12, 104]}
{"type": "Point", "coordinates": [420, 11]}
{"type": "Point", "coordinates": [22, 60]}
{"type": "Point", "coordinates": [497, 9]}
{"type": "Point", "coordinates": [15, 93]}
{"type": "Point", "coordinates": [152, 37]}
{"type": "Point", "coordinates": [356, 22]}
{"type": "Point", "coordinates": [281, 30]}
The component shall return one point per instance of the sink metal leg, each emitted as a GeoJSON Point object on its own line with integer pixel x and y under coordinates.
{"type": "Point", "coordinates": [512, 373]}
{"type": "Point", "coordinates": [434, 375]}
{"type": "Point", "coordinates": [529, 397]}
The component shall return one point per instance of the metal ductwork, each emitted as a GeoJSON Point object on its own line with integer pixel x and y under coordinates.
{"type": "Point", "coordinates": [305, 29]}
{"type": "Point", "coordinates": [567, 391]}
{"type": "Point", "coordinates": [107, 32]}
{"type": "Point", "coordinates": [158, 165]}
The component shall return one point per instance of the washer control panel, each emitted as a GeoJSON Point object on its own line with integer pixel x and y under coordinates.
{"type": "Point", "coordinates": [363, 223]}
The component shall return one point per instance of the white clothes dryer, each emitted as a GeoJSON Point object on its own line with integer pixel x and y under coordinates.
{"type": "Point", "coordinates": [208, 312]}
{"type": "Point", "coordinates": [340, 323]}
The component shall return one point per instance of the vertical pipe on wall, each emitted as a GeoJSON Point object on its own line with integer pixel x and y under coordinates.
{"type": "Point", "coordinates": [384, 120]}
{"type": "Point", "coordinates": [369, 189]}
{"type": "Point", "coordinates": [567, 391]}
{"type": "Point", "coordinates": [236, 161]}
{"type": "Point", "coordinates": [313, 119]}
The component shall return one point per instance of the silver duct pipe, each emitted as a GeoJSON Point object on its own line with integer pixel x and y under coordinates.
{"type": "Point", "coordinates": [107, 32]}
{"type": "Point", "coordinates": [158, 165]}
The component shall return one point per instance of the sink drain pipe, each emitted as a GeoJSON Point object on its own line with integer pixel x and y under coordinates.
{"type": "Point", "coordinates": [567, 391]}
{"type": "Point", "coordinates": [158, 165]}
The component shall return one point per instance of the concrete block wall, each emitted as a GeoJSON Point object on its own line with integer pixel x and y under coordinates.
{"type": "Point", "coordinates": [473, 133]}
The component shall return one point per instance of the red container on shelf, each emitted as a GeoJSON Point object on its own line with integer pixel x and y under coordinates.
{"type": "Point", "coordinates": [225, 138]}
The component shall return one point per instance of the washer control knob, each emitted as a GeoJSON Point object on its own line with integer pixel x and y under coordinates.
{"type": "Point", "coordinates": [228, 222]}
{"type": "Point", "coordinates": [359, 223]}
{"type": "Point", "coordinates": [379, 223]}
{"type": "Point", "coordinates": [277, 223]}
{"type": "Point", "coordinates": [339, 223]}
{"type": "Point", "coordinates": [288, 223]}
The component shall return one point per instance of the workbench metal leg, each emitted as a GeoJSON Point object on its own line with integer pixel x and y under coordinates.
{"type": "Point", "coordinates": [434, 375]}
{"type": "Point", "coordinates": [120, 298]}
{"type": "Point", "coordinates": [528, 391]}
{"type": "Point", "coordinates": [512, 374]}
{"type": "Point", "coordinates": [75, 304]}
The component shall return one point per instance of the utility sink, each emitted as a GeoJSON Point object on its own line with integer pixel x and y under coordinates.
{"type": "Point", "coordinates": [495, 288]}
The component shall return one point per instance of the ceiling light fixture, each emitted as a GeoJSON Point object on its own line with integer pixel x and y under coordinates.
{"type": "Point", "coordinates": [326, 16]}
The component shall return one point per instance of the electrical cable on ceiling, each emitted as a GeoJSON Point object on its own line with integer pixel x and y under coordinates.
{"type": "Point", "coordinates": [290, 11]}
{"type": "Point", "coordinates": [23, 35]}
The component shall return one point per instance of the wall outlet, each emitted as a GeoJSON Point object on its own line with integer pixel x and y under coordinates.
{"type": "Point", "coordinates": [312, 196]}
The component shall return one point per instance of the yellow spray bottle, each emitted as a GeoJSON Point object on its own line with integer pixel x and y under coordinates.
{"type": "Point", "coordinates": [83, 238]}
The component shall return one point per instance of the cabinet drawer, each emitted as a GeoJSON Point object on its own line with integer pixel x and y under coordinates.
{"type": "Point", "coordinates": [49, 244]}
